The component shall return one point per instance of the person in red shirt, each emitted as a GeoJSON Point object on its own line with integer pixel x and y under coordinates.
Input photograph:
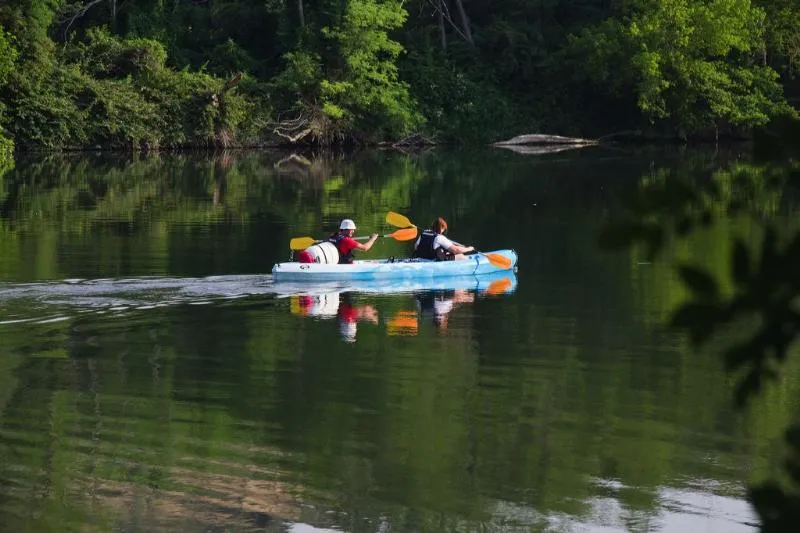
{"type": "Point", "coordinates": [345, 243]}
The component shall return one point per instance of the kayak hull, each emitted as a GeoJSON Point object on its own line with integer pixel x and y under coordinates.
{"type": "Point", "coordinates": [494, 283]}
{"type": "Point", "coordinates": [388, 269]}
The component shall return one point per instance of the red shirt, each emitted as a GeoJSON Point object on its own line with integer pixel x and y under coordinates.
{"type": "Point", "coordinates": [346, 245]}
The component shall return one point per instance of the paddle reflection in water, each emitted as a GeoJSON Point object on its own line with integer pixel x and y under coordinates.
{"type": "Point", "coordinates": [432, 302]}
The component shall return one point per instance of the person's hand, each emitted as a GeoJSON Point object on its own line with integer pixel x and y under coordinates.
{"type": "Point", "coordinates": [374, 236]}
{"type": "Point", "coordinates": [470, 248]}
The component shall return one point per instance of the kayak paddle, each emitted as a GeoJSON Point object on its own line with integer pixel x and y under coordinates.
{"type": "Point", "coordinates": [406, 234]}
{"type": "Point", "coordinates": [396, 219]}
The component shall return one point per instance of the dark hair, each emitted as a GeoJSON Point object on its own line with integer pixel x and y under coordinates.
{"type": "Point", "coordinates": [439, 225]}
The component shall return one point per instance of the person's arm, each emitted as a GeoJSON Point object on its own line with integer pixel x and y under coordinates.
{"type": "Point", "coordinates": [459, 249]}
{"type": "Point", "coordinates": [452, 247]}
{"type": "Point", "coordinates": [367, 245]}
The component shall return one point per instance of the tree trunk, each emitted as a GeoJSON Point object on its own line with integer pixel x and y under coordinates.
{"type": "Point", "coordinates": [300, 13]}
{"type": "Point", "coordinates": [113, 8]}
{"type": "Point", "coordinates": [465, 22]}
{"type": "Point", "coordinates": [441, 25]}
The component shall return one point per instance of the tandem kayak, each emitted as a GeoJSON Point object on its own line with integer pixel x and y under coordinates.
{"type": "Point", "coordinates": [382, 269]}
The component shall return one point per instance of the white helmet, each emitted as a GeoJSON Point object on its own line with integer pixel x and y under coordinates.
{"type": "Point", "coordinates": [347, 224]}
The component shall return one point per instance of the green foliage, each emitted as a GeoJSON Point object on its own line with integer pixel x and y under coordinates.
{"type": "Point", "coordinates": [688, 63]}
{"type": "Point", "coordinates": [29, 21]}
{"type": "Point", "coordinates": [8, 56]}
{"type": "Point", "coordinates": [228, 58]}
{"type": "Point", "coordinates": [461, 109]}
{"type": "Point", "coordinates": [101, 55]}
{"type": "Point", "coordinates": [118, 92]}
{"type": "Point", "coordinates": [782, 35]}
{"type": "Point", "coordinates": [681, 66]}
{"type": "Point", "coordinates": [367, 93]}
{"type": "Point", "coordinates": [6, 154]}
{"type": "Point", "coordinates": [43, 108]}
{"type": "Point", "coordinates": [300, 79]}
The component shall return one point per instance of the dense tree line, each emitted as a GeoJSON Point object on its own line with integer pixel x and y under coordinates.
{"type": "Point", "coordinates": [154, 73]}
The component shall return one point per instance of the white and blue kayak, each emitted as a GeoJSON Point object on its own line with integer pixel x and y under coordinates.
{"type": "Point", "coordinates": [385, 269]}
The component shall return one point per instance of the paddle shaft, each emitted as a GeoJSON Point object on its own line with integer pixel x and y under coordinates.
{"type": "Point", "coordinates": [496, 259]}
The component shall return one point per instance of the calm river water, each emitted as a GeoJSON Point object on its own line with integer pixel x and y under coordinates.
{"type": "Point", "coordinates": [154, 378]}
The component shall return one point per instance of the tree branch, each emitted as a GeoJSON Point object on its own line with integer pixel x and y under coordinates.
{"type": "Point", "coordinates": [441, 8]}
{"type": "Point", "coordinates": [79, 12]}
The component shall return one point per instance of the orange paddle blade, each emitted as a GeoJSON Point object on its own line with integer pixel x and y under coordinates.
{"type": "Point", "coordinates": [499, 286]}
{"type": "Point", "coordinates": [301, 243]}
{"type": "Point", "coordinates": [406, 234]}
{"type": "Point", "coordinates": [403, 323]}
{"type": "Point", "coordinates": [396, 219]}
{"type": "Point", "coordinates": [500, 261]}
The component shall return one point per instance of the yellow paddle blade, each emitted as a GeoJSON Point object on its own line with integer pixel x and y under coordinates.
{"type": "Point", "coordinates": [500, 261]}
{"type": "Point", "coordinates": [294, 306]}
{"type": "Point", "coordinates": [301, 243]}
{"type": "Point", "coordinates": [405, 234]}
{"type": "Point", "coordinates": [396, 219]}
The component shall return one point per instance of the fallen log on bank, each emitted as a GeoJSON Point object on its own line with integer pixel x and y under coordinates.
{"type": "Point", "coordinates": [539, 144]}
{"type": "Point", "coordinates": [541, 139]}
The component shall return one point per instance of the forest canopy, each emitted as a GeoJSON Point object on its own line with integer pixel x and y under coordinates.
{"type": "Point", "coordinates": [148, 74]}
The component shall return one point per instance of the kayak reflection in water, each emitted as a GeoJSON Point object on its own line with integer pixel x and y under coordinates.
{"type": "Point", "coordinates": [438, 304]}
{"type": "Point", "coordinates": [349, 315]}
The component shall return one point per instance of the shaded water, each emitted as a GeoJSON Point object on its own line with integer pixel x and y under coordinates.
{"type": "Point", "coordinates": [153, 377]}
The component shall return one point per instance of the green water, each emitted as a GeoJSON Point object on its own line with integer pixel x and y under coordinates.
{"type": "Point", "coordinates": [154, 378]}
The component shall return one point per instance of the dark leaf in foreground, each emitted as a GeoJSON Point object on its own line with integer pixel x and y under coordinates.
{"type": "Point", "coordinates": [740, 263]}
{"type": "Point", "coordinates": [699, 281]}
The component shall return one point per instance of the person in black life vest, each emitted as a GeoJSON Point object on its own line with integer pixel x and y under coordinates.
{"type": "Point", "coordinates": [432, 244]}
{"type": "Point", "coordinates": [345, 243]}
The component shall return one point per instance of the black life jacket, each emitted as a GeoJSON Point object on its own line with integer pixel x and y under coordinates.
{"type": "Point", "coordinates": [424, 249]}
{"type": "Point", "coordinates": [336, 239]}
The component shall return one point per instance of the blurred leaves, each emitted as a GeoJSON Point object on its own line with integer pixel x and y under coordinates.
{"type": "Point", "coordinates": [765, 287]}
